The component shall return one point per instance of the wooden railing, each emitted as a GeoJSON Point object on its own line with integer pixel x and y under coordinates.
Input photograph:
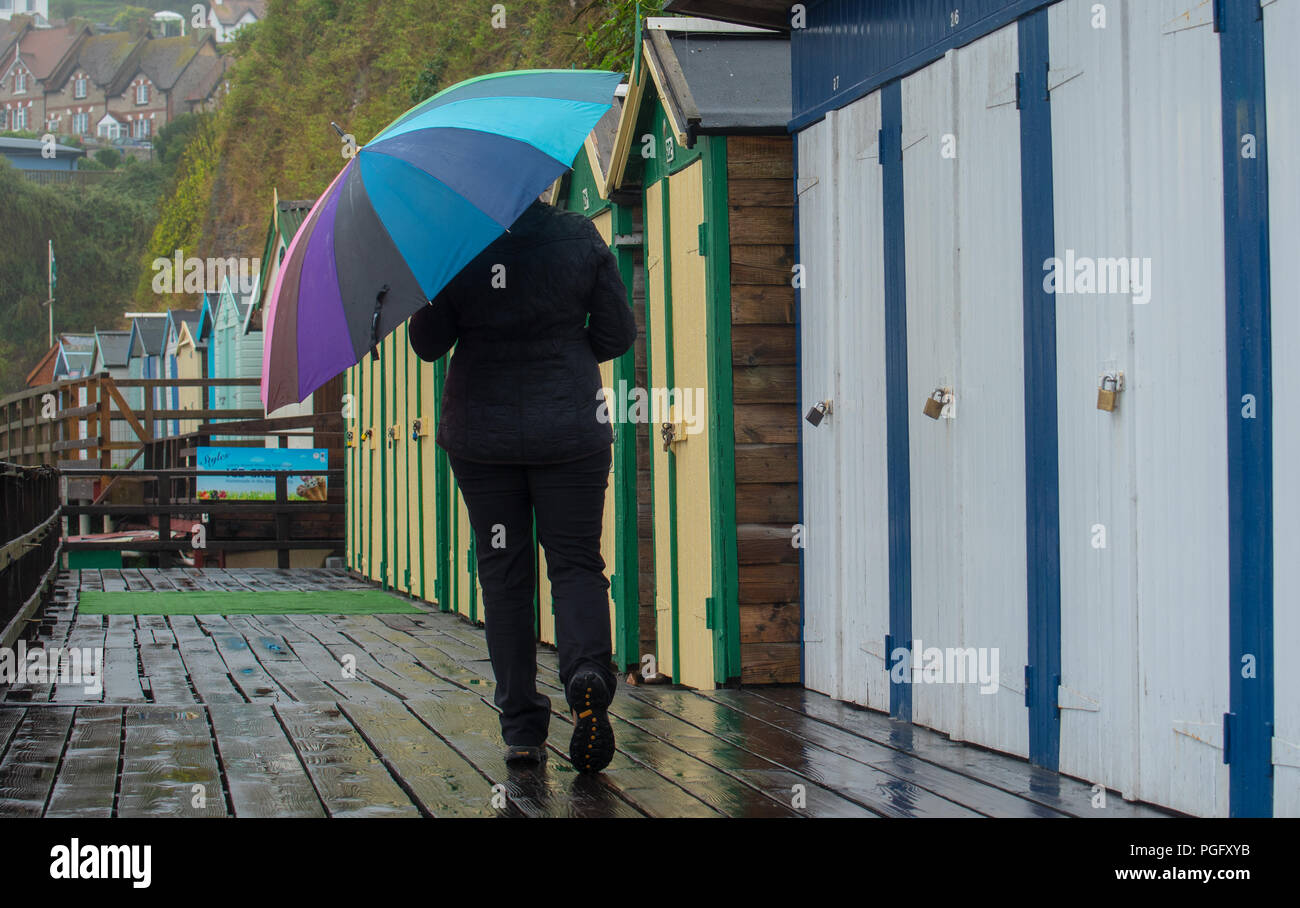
{"type": "Point", "coordinates": [72, 420]}
{"type": "Point", "coordinates": [216, 526]}
{"type": "Point", "coordinates": [29, 544]}
{"type": "Point", "coordinates": [126, 480]}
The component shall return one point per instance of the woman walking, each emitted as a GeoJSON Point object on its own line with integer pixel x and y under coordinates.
{"type": "Point", "coordinates": [531, 317]}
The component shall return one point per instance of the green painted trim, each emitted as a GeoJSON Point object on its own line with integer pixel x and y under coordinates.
{"type": "Point", "coordinates": [405, 492]}
{"type": "Point", "coordinates": [649, 425]}
{"type": "Point", "coordinates": [581, 179]}
{"type": "Point", "coordinates": [471, 562]}
{"type": "Point", "coordinates": [627, 567]}
{"type": "Point", "coordinates": [666, 219]}
{"type": "Point", "coordinates": [419, 465]}
{"type": "Point", "coordinates": [383, 466]}
{"type": "Point", "coordinates": [349, 491]}
{"type": "Point", "coordinates": [659, 166]}
{"type": "Point", "coordinates": [722, 432]}
{"type": "Point", "coordinates": [455, 547]}
{"type": "Point", "coordinates": [441, 499]}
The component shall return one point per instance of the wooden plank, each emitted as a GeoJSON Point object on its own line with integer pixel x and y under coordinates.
{"type": "Point", "coordinates": [10, 719]}
{"type": "Point", "coordinates": [166, 672]}
{"type": "Point", "coordinates": [470, 726]}
{"type": "Point", "coordinates": [818, 747]}
{"type": "Point", "coordinates": [764, 384]}
{"type": "Point", "coordinates": [766, 424]}
{"type": "Point", "coordinates": [764, 345]}
{"type": "Point", "coordinates": [769, 662]}
{"type": "Point", "coordinates": [769, 503]}
{"type": "Point", "coordinates": [263, 774]}
{"type": "Point", "coordinates": [157, 627]}
{"type": "Point", "coordinates": [317, 659]}
{"type": "Point", "coordinates": [766, 463]}
{"type": "Point", "coordinates": [769, 622]}
{"type": "Point", "coordinates": [87, 779]}
{"type": "Point", "coordinates": [762, 192]}
{"type": "Point", "coordinates": [168, 763]}
{"type": "Point", "coordinates": [633, 782]}
{"type": "Point", "coordinates": [349, 778]}
{"type": "Point", "coordinates": [208, 671]}
{"type": "Point", "coordinates": [761, 225]}
{"type": "Point", "coordinates": [121, 632]}
{"type": "Point", "coordinates": [27, 770]}
{"type": "Point", "coordinates": [768, 264]}
{"type": "Point", "coordinates": [122, 676]}
{"type": "Point", "coordinates": [1054, 791]}
{"type": "Point", "coordinates": [245, 670]}
{"type": "Point", "coordinates": [442, 782]}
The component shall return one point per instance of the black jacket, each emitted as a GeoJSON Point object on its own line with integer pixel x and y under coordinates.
{"type": "Point", "coordinates": [523, 385]}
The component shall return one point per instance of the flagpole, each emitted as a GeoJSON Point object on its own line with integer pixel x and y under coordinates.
{"type": "Point", "coordinates": [49, 285]}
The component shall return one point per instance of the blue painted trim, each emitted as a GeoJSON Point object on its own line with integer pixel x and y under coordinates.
{"type": "Point", "coordinates": [896, 426]}
{"type": "Point", "coordinates": [909, 64]}
{"type": "Point", "coordinates": [803, 426]}
{"type": "Point", "coordinates": [1042, 462]}
{"type": "Point", "coordinates": [1250, 441]}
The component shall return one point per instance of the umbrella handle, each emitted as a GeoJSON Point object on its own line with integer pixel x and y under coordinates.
{"type": "Point", "coordinates": [374, 322]}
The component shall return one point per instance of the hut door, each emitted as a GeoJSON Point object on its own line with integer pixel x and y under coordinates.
{"type": "Point", "coordinates": [678, 377]}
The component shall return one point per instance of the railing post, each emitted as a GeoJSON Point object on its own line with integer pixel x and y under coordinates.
{"type": "Point", "coordinates": [281, 518]}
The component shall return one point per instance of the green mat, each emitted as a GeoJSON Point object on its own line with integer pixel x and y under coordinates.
{"type": "Point", "coordinates": [262, 602]}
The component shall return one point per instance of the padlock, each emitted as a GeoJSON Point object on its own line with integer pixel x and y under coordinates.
{"type": "Point", "coordinates": [1107, 398]}
{"type": "Point", "coordinates": [819, 411]}
{"type": "Point", "coordinates": [667, 432]}
{"type": "Point", "coordinates": [934, 404]}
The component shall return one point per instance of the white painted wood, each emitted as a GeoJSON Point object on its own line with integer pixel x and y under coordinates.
{"type": "Point", "coordinates": [1282, 72]}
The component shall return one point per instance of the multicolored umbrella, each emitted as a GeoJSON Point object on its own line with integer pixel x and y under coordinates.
{"type": "Point", "coordinates": [412, 208]}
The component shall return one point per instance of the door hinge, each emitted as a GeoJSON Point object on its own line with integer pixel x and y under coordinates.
{"type": "Point", "coordinates": [1227, 717]}
{"type": "Point", "coordinates": [1029, 685]}
{"type": "Point", "coordinates": [1019, 79]}
{"type": "Point", "coordinates": [710, 620]}
{"type": "Point", "coordinates": [704, 239]}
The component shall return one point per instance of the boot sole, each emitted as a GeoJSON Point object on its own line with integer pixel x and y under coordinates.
{"type": "Point", "coordinates": [592, 745]}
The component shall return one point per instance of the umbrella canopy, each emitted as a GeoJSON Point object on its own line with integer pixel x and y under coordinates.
{"type": "Point", "coordinates": [412, 208]}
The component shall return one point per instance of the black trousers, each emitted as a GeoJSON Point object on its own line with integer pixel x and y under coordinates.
{"type": "Point", "coordinates": [568, 501]}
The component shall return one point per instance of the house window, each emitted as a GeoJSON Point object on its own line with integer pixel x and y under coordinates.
{"type": "Point", "coordinates": [140, 128]}
{"type": "Point", "coordinates": [4, 114]}
{"type": "Point", "coordinates": [20, 82]}
{"type": "Point", "coordinates": [142, 93]}
{"type": "Point", "coordinates": [79, 87]}
{"type": "Point", "coordinates": [81, 124]}
{"type": "Point", "coordinates": [20, 118]}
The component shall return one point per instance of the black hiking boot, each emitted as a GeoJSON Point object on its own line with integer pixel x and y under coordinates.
{"type": "Point", "coordinates": [592, 746]}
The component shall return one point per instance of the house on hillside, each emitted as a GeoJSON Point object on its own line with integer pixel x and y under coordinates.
{"type": "Point", "coordinates": [153, 94]}
{"type": "Point", "coordinates": [35, 56]}
{"type": "Point", "coordinates": [38, 10]}
{"type": "Point", "coordinates": [227, 18]}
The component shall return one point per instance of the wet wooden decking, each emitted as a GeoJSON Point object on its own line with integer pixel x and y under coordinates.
{"type": "Point", "coordinates": [260, 716]}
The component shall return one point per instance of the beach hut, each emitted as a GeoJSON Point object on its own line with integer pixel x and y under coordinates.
{"type": "Point", "coordinates": [1058, 220]}
{"type": "Point", "coordinates": [146, 346]}
{"type": "Point", "coordinates": [700, 183]}
{"type": "Point", "coordinates": [112, 356]}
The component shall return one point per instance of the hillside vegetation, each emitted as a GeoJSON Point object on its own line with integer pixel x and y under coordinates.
{"type": "Point", "coordinates": [359, 63]}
